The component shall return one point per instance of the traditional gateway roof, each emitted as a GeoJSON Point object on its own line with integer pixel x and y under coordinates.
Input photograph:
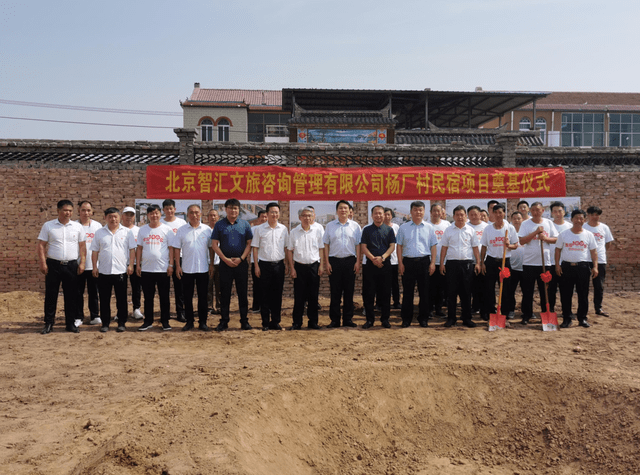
{"type": "Point", "coordinates": [588, 101]}
{"type": "Point", "coordinates": [448, 137]}
{"type": "Point", "coordinates": [342, 118]}
{"type": "Point", "coordinates": [414, 109]}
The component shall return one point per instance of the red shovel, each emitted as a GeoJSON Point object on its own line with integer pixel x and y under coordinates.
{"type": "Point", "coordinates": [549, 319]}
{"type": "Point", "coordinates": [497, 321]}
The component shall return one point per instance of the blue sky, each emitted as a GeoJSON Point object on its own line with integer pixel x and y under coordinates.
{"type": "Point", "coordinates": [145, 55]}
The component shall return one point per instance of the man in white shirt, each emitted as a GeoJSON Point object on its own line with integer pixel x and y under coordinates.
{"type": "Point", "coordinates": [129, 221]}
{"type": "Point", "coordinates": [532, 231]}
{"type": "Point", "coordinates": [269, 252]}
{"type": "Point", "coordinates": [389, 214]}
{"type": "Point", "coordinates": [62, 254]}
{"type": "Point", "coordinates": [109, 253]}
{"type": "Point", "coordinates": [342, 261]}
{"type": "Point", "coordinates": [305, 252]}
{"type": "Point", "coordinates": [603, 236]}
{"type": "Point", "coordinates": [557, 215]}
{"type": "Point", "coordinates": [523, 207]}
{"type": "Point", "coordinates": [85, 210]}
{"type": "Point", "coordinates": [154, 268]}
{"type": "Point", "coordinates": [214, 282]}
{"type": "Point", "coordinates": [437, 281]}
{"type": "Point", "coordinates": [255, 280]}
{"type": "Point", "coordinates": [493, 244]}
{"type": "Point", "coordinates": [193, 240]}
{"type": "Point", "coordinates": [477, 281]}
{"type": "Point", "coordinates": [576, 248]}
{"type": "Point", "coordinates": [459, 249]}
{"type": "Point", "coordinates": [175, 223]}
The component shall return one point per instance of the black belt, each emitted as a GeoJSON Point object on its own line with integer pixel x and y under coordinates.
{"type": "Point", "coordinates": [272, 263]}
{"type": "Point", "coordinates": [62, 263]}
{"type": "Point", "coordinates": [416, 259]}
{"type": "Point", "coordinates": [577, 264]}
{"type": "Point", "coordinates": [307, 265]}
{"type": "Point", "coordinates": [499, 259]}
{"type": "Point", "coordinates": [348, 257]}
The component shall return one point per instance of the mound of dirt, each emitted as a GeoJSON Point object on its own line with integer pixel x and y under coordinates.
{"type": "Point", "coordinates": [348, 401]}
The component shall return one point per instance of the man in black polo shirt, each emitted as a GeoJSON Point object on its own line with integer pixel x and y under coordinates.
{"type": "Point", "coordinates": [231, 240]}
{"type": "Point", "coordinates": [378, 242]}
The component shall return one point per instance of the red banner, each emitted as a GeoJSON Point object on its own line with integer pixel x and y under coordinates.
{"type": "Point", "coordinates": [356, 184]}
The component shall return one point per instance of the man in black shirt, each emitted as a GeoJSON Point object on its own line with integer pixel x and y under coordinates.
{"type": "Point", "coordinates": [378, 242]}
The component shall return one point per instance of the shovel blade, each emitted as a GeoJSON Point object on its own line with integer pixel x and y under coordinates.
{"type": "Point", "coordinates": [497, 322]}
{"type": "Point", "coordinates": [549, 321]}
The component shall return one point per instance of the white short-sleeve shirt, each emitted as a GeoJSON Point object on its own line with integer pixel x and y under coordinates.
{"type": "Point", "coordinates": [306, 245]}
{"type": "Point", "coordinates": [194, 244]}
{"type": "Point", "coordinates": [576, 247]}
{"type": "Point", "coordinates": [112, 249]}
{"type": "Point", "coordinates": [63, 239]}
{"type": "Point", "coordinates": [271, 242]}
{"type": "Point", "coordinates": [90, 231]}
{"type": "Point", "coordinates": [155, 247]}
{"type": "Point", "coordinates": [603, 235]}
{"type": "Point", "coordinates": [493, 239]}
{"type": "Point", "coordinates": [531, 253]}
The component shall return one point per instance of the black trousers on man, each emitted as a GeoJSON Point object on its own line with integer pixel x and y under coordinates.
{"type": "Point", "coordinates": [459, 276]}
{"type": "Point", "coordinates": [376, 283]}
{"type": "Point", "coordinates": [229, 275]}
{"type": "Point", "coordinates": [395, 285]}
{"type": "Point", "coordinates": [531, 275]}
{"type": "Point", "coordinates": [257, 293]}
{"type": "Point", "coordinates": [214, 290]}
{"type": "Point", "coordinates": [117, 283]}
{"type": "Point", "coordinates": [305, 289]}
{"type": "Point", "coordinates": [67, 275]}
{"type": "Point", "coordinates": [437, 291]}
{"type": "Point", "coordinates": [575, 275]}
{"type": "Point", "coordinates": [598, 286]}
{"type": "Point", "coordinates": [342, 282]}
{"type": "Point", "coordinates": [271, 285]}
{"type": "Point", "coordinates": [491, 280]}
{"type": "Point", "coordinates": [136, 288]}
{"type": "Point", "coordinates": [200, 282]}
{"type": "Point", "coordinates": [151, 280]}
{"type": "Point", "coordinates": [87, 279]}
{"type": "Point", "coordinates": [416, 271]}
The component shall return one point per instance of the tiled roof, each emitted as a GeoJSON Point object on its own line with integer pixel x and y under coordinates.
{"type": "Point", "coordinates": [251, 97]}
{"type": "Point", "coordinates": [436, 138]}
{"type": "Point", "coordinates": [342, 118]}
{"type": "Point", "coordinates": [600, 101]}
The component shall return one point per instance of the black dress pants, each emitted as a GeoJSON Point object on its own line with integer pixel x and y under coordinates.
{"type": "Point", "coordinates": [377, 288]}
{"type": "Point", "coordinates": [67, 275]}
{"type": "Point", "coordinates": [491, 280]}
{"type": "Point", "coordinates": [531, 275]}
{"type": "Point", "coordinates": [87, 278]}
{"type": "Point", "coordinates": [598, 286]}
{"type": "Point", "coordinates": [151, 280]}
{"type": "Point", "coordinates": [459, 275]}
{"type": "Point", "coordinates": [136, 289]}
{"type": "Point", "coordinates": [190, 282]}
{"type": "Point", "coordinates": [239, 274]}
{"type": "Point", "coordinates": [257, 293]}
{"type": "Point", "coordinates": [342, 282]}
{"type": "Point", "coordinates": [178, 293]}
{"type": "Point", "coordinates": [416, 271]}
{"type": "Point", "coordinates": [305, 289]}
{"type": "Point", "coordinates": [575, 275]}
{"type": "Point", "coordinates": [117, 282]}
{"type": "Point", "coordinates": [271, 285]}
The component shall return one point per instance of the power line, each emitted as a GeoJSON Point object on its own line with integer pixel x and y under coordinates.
{"type": "Point", "coordinates": [89, 123]}
{"type": "Point", "coordinates": [86, 108]}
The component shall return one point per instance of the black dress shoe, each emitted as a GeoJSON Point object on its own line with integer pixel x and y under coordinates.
{"type": "Point", "coordinates": [313, 326]}
{"type": "Point", "coordinates": [396, 306]}
{"type": "Point", "coordinates": [181, 319]}
{"type": "Point", "coordinates": [265, 329]}
{"type": "Point", "coordinates": [405, 325]}
{"type": "Point", "coordinates": [104, 329]}
{"type": "Point", "coordinates": [349, 324]}
{"type": "Point", "coordinates": [486, 318]}
{"type": "Point", "coordinates": [584, 324]}
{"type": "Point", "coordinates": [333, 325]}
{"type": "Point", "coordinates": [449, 323]}
{"type": "Point", "coordinates": [48, 328]}
{"type": "Point", "coordinates": [602, 313]}
{"type": "Point", "coordinates": [525, 321]}
{"type": "Point", "coordinates": [367, 325]}
{"type": "Point", "coordinates": [72, 329]}
{"type": "Point", "coordinates": [469, 323]}
{"type": "Point", "coordinates": [298, 327]}
{"type": "Point", "coordinates": [424, 323]}
{"type": "Point", "coordinates": [440, 313]}
{"type": "Point", "coordinates": [121, 329]}
{"type": "Point", "coordinates": [204, 327]}
{"type": "Point", "coordinates": [386, 324]}
{"type": "Point", "coordinates": [187, 327]}
{"type": "Point", "coordinates": [246, 326]}
{"type": "Point", "coordinates": [275, 326]}
{"type": "Point", "coordinates": [566, 323]}
{"type": "Point", "coordinates": [222, 327]}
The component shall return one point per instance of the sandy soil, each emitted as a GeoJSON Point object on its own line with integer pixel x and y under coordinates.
{"type": "Point", "coordinates": [344, 401]}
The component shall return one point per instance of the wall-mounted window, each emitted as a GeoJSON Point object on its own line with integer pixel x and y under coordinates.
{"type": "Point", "coordinates": [541, 125]}
{"type": "Point", "coordinates": [259, 125]}
{"type": "Point", "coordinates": [582, 130]}
{"type": "Point", "coordinates": [206, 130]}
{"type": "Point", "coordinates": [223, 130]}
{"type": "Point", "coordinates": [624, 130]}
{"type": "Point", "coordinates": [525, 124]}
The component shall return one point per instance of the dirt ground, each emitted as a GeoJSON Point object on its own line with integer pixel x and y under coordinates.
{"type": "Point", "coordinates": [341, 401]}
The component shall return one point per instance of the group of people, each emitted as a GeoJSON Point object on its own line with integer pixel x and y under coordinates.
{"type": "Point", "coordinates": [447, 262]}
